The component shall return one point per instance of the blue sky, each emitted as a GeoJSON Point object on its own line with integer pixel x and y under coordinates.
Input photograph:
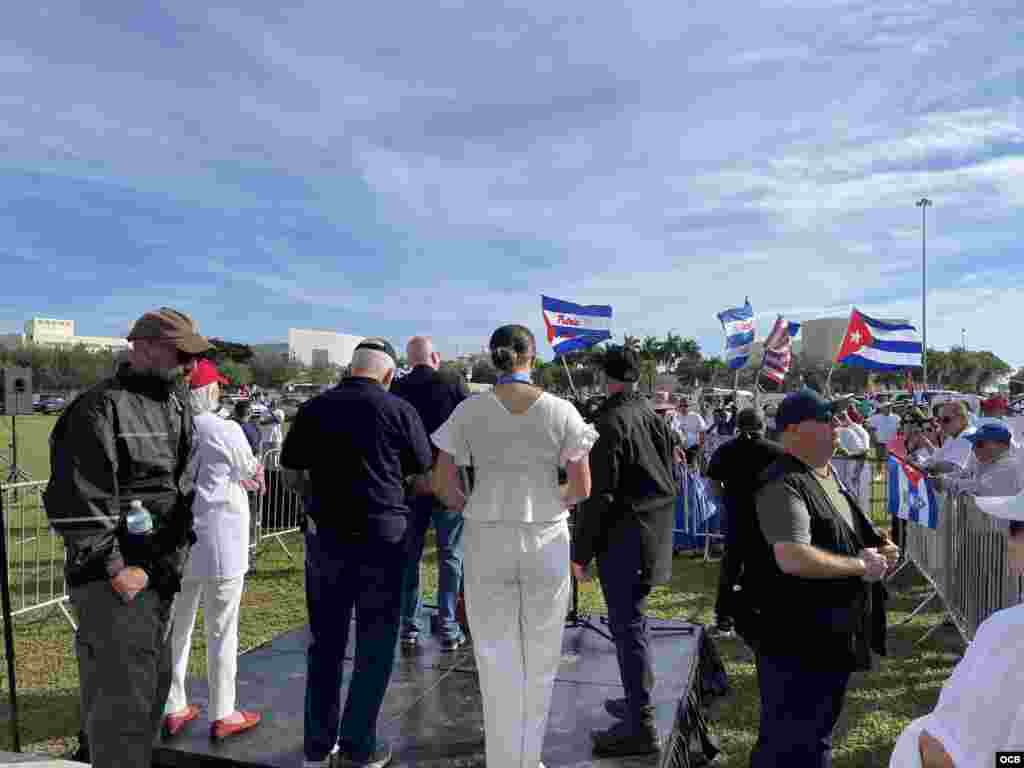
{"type": "Point", "coordinates": [401, 168]}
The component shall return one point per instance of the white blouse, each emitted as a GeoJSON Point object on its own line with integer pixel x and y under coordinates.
{"type": "Point", "coordinates": [980, 709]}
{"type": "Point", "coordinates": [221, 506]}
{"type": "Point", "coordinates": [515, 456]}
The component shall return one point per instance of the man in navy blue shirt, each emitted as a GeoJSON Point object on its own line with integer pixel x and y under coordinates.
{"type": "Point", "coordinates": [350, 451]}
{"type": "Point", "coordinates": [434, 394]}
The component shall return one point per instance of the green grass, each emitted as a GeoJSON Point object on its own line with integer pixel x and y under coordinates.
{"type": "Point", "coordinates": [33, 444]}
{"type": "Point", "coordinates": [879, 705]}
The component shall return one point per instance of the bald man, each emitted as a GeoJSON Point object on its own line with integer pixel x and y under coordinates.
{"type": "Point", "coordinates": [350, 450]}
{"type": "Point", "coordinates": [434, 393]}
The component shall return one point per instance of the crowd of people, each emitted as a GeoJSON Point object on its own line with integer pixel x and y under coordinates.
{"type": "Point", "coordinates": [148, 489]}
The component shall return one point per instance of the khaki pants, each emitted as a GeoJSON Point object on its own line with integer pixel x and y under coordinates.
{"type": "Point", "coordinates": [124, 664]}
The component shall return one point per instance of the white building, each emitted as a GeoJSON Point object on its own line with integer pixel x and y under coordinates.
{"type": "Point", "coordinates": [312, 347]}
{"type": "Point", "coordinates": [51, 332]}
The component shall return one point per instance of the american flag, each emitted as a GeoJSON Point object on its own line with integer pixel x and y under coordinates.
{"type": "Point", "coordinates": [778, 350]}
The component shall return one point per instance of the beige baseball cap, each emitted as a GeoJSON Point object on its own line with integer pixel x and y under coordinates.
{"type": "Point", "coordinates": [166, 324]}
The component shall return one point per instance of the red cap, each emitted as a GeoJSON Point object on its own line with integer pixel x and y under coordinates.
{"type": "Point", "coordinates": [995, 402]}
{"type": "Point", "coordinates": [205, 373]}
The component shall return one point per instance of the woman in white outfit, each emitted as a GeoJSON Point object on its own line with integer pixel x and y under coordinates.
{"type": "Point", "coordinates": [980, 709]}
{"type": "Point", "coordinates": [219, 560]}
{"type": "Point", "coordinates": [516, 539]}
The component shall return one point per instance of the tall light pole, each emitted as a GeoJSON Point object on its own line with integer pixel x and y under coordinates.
{"type": "Point", "coordinates": [923, 204]}
{"type": "Point", "coordinates": [963, 339]}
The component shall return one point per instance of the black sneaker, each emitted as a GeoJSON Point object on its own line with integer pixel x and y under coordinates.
{"type": "Point", "coordinates": [380, 757]}
{"type": "Point", "coordinates": [617, 708]}
{"type": "Point", "coordinates": [622, 740]}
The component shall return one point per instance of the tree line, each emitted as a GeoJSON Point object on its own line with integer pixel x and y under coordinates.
{"type": "Point", "coordinates": [70, 369]}
{"type": "Point", "coordinates": [64, 369]}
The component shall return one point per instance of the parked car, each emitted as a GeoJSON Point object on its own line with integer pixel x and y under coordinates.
{"type": "Point", "coordinates": [53, 404]}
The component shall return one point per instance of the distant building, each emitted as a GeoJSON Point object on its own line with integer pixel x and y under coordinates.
{"type": "Point", "coordinates": [51, 332]}
{"type": "Point", "coordinates": [822, 338]}
{"type": "Point", "coordinates": [11, 340]}
{"type": "Point", "coordinates": [312, 347]}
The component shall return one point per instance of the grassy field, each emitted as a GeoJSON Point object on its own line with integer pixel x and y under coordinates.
{"type": "Point", "coordinates": [33, 447]}
{"type": "Point", "coordinates": [879, 705]}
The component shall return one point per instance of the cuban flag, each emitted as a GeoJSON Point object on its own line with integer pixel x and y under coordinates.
{"type": "Point", "coordinates": [738, 324]}
{"type": "Point", "coordinates": [910, 495]}
{"type": "Point", "coordinates": [572, 327]}
{"type": "Point", "coordinates": [778, 350]}
{"type": "Point", "coordinates": [879, 345]}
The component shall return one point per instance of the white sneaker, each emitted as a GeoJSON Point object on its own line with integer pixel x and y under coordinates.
{"type": "Point", "coordinates": [327, 762]}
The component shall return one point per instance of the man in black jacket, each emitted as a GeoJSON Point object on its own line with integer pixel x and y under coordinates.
{"type": "Point", "coordinates": [627, 524]}
{"type": "Point", "coordinates": [127, 439]}
{"type": "Point", "coordinates": [734, 470]}
{"type": "Point", "coordinates": [814, 581]}
{"type": "Point", "coordinates": [434, 394]}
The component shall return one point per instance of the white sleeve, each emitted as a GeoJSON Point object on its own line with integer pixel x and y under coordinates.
{"type": "Point", "coordinates": [240, 455]}
{"type": "Point", "coordinates": [449, 438]}
{"type": "Point", "coordinates": [980, 709]}
{"type": "Point", "coordinates": [579, 437]}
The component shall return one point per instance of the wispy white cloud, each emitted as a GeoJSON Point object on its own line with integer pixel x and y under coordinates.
{"type": "Point", "coordinates": [669, 159]}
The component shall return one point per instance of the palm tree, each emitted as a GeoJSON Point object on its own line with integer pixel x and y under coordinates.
{"type": "Point", "coordinates": [631, 342]}
{"type": "Point", "coordinates": [651, 349]}
{"type": "Point", "coordinates": [671, 350]}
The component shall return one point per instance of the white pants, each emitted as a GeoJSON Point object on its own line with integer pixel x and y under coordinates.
{"type": "Point", "coordinates": [517, 595]}
{"type": "Point", "coordinates": [220, 614]}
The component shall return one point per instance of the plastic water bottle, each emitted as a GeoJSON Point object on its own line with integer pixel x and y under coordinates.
{"type": "Point", "coordinates": [138, 529]}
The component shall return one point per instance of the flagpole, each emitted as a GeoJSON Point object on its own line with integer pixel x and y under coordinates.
{"type": "Point", "coordinates": [569, 374]}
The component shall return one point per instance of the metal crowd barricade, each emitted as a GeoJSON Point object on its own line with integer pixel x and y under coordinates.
{"type": "Point", "coordinates": [965, 561]}
{"type": "Point", "coordinates": [278, 510]}
{"type": "Point", "coordinates": [35, 553]}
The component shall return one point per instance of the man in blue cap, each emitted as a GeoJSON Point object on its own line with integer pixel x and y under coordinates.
{"type": "Point", "coordinates": [812, 583]}
{"type": "Point", "coordinates": [998, 471]}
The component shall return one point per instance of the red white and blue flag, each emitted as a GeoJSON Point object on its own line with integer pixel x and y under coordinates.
{"type": "Point", "coordinates": [572, 327]}
{"type": "Point", "coordinates": [910, 494]}
{"type": "Point", "coordinates": [778, 350]}
{"type": "Point", "coordinates": [882, 345]}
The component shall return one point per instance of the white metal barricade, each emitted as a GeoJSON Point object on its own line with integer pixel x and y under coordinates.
{"type": "Point", "coordinates": [35, 553]}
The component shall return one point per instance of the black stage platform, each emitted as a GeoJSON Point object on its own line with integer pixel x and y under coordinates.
{"type": "Point", "coordinates": [432, 713]}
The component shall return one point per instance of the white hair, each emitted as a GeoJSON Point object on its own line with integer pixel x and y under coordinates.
{"type": "Point", "coordinates": [372, 361]}
{"type": "Point", "coordinates": [204, 400]}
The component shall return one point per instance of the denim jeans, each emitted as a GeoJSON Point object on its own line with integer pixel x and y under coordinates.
{"type": "Point", "coordinates": [800, 706]}
{"type": "Point", "coordinates": [449, 560]}
{"type": "Point", "coordinates": [625, 594]}
{"type": "Point", "coordinates": [342, 575]}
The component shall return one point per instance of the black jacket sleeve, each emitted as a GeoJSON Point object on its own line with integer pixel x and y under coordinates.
{"type": "Point", "coordinates": [418, 457]}
{"type": "Point", "coordinates": [81, 496]}
{"type": "Point", "coordinates": [606, 458]}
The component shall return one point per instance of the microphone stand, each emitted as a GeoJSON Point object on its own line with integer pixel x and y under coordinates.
{"type": "Point", "coordinates": [574, 619]}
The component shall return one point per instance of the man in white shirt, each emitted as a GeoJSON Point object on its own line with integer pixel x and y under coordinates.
{"type": "Point", "coordinates": [885, 424]}
{"type": "Point", "coordinates": [955, 453]}
{"type": "Point", "coordinates": [997, 471]}
{"type": "Point", "coordinates": [692, 426]}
